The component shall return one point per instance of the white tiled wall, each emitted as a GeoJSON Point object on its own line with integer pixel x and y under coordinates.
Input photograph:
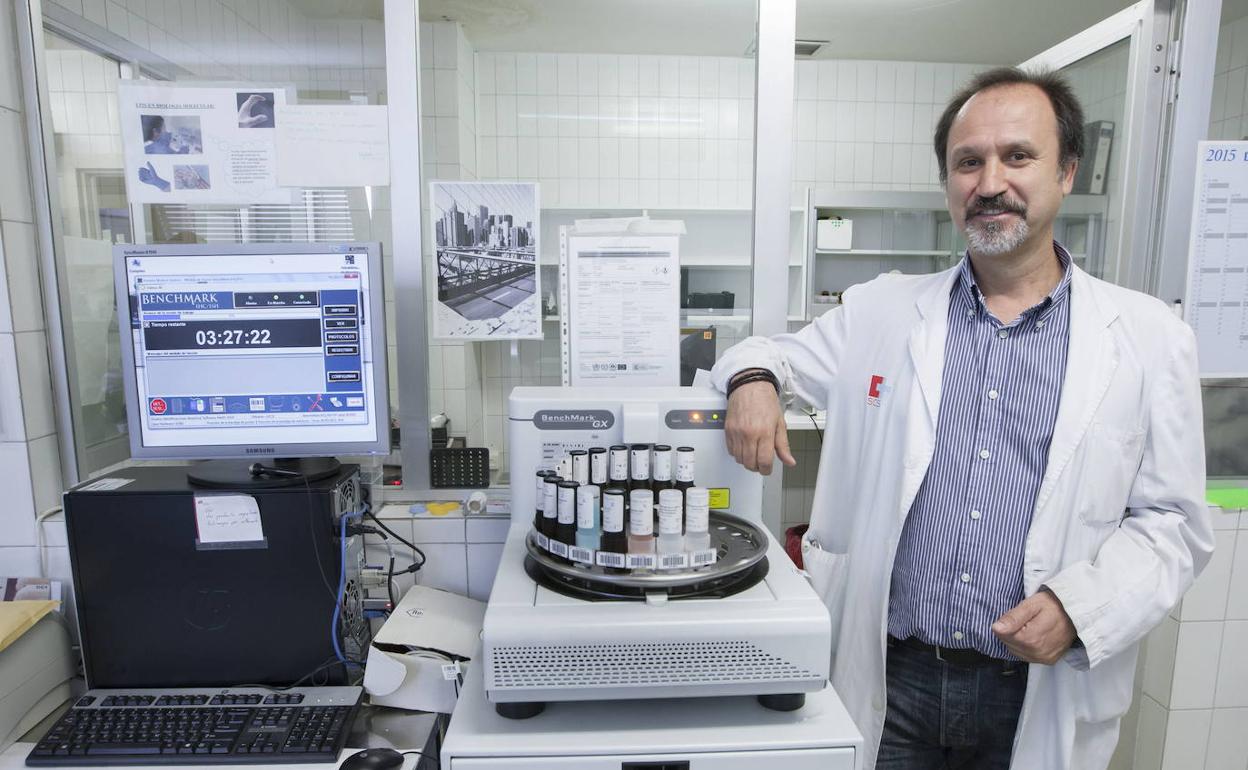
{"type": "Point", "coordinates": [1194, 707]}
{"type": "Point", "coordinates": [677, 131]}
{"type": "Point", "coordinates": [28, 440]}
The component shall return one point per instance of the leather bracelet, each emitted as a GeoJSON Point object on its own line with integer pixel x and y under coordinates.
{"type": "Point", "coordinates": [756, 375]}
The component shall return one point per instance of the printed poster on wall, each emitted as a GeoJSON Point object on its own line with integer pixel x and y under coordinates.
{"type": "Point", "coordinates": [201, 144]}
{"type": "Point", "coordinates": [488, 282]}
{"type": "Point", "coordinates": [1217, 283]}
{"type": "Point", "coordinates": [623, 294]}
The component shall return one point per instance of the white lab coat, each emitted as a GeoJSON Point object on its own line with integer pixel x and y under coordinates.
{"type": "Point", "coordinates": [1120, 526]}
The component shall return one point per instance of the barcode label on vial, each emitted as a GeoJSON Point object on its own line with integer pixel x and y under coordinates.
{"type": "Point", "coordinates": [640, 561]}
{"type": "Point", "coordinates": [558, 548]}
{"type": "Point", "coordinates": [610, 559]}
{"type": "Point", "coordinates": [703, 558]}
{"type": "Point", "coordinates": [673, 561]}
{"type": "Point", "coordinates": [542, 541]}
{"type": "Point", "coordinates": [583, 555]}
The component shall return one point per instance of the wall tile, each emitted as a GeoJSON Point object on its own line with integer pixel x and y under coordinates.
{"type": "Point", "coordinates": [1150, 740]}
{"type": "Point", "coordinates": [45, 471]}
{"type": "Point", "coordinates": [487, 529]}
{"type": "Point", "coordinates": [15, 194]}
{"type": "Point", "coordinates": [1159, 657]}
{"type": "Point", "coordinates": [1228, 740]}
{"type": "Point", "coordinates": [1207, 598]}
{"type": "Point", "coordinates": [1232, 671]}
{"type": "Point", "coordinates": [10, 88]}
{"type": "Point", "coordinates": [430, 530]}
{"type": "Point", "coordinates": [446, 568]}
{"type": "Point", "coordinates": [1237, 599]}
{"type": "Point", "coordinates": [1187, 735]}
{"type": "Point", "coordinates": [36, 383]}
{"type": "Point", "coordinates": [1195, 672]}
{"type": "Point", "coordinates": [17, 516]}
{"type": "Point", "coordinates": [483, 560]}
{"type": "Point", "coordinates": [12, 419]}
{"type": "Point", "coordinates": [19, 560]}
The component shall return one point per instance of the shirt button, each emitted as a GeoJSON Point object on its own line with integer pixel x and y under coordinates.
{"type": "Point", "coordinates": [1039, 324]}
{"type": "Point", "coordinates": [984, 454]}
{"type": "Point", "coordinates": [976, 515]}
{"type": "Point", "coordinates": [992, 394]}
{"type": "Point", "coordinates": [958, 635]}
{"type": "Point", "coordinates": [970, 312]}
{"type": "Point", "coordinates": [966, 577]}
{"type": "Point", "coordinates": [1003, 333]}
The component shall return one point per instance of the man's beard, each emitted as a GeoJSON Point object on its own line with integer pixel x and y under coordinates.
{"type": "Point", "coordinates": [994, 238]}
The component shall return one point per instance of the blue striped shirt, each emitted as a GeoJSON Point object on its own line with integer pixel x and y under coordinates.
{"type": "Point", "coordinates": [959, 563]}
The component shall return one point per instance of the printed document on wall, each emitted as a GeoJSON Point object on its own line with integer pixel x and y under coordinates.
{"type": "Point", "coordinates": [333, 145]}
{"type": "Point", "coordinates": [200, 144]}
{"type": "Point", "coordinates": [1217, 283]}
{"type": "Point", "coordinates": [624, 297]}
{"type": "Point", "coordinates": [487, 238]}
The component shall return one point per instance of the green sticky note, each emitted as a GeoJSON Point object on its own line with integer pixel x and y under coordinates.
{"type": "Point", "coordinates": [1228, 496]}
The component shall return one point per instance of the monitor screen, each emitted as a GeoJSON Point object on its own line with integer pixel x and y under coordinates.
{"type": "Point", "coordinates": [253, 350]}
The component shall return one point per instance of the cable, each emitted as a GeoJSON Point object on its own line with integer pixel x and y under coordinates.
{"type": "Point", "coordinates": [392, 533]}
{"type": "Point", "coordinates": [342, 590]}
{"type": "Point", "coordinates": [815, 422]}
{"type": "Point", "coordinates": [43, 550]}
{"type": "Point", "coordinates": [329, 662]}
{"type": "Point", "coordinates": [316, 552]}
{"type": "Point", "coordinates": [436, 762]}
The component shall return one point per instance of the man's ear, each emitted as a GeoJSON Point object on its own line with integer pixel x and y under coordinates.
{"type": "Point", "coordinates": [1067, 176]}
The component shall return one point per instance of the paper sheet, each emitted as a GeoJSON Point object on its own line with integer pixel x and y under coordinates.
{"type": "Point", "coordinates": [1217, 284]}
{"type": "Point", "coordinates": [16, 618]}
{"type": "Point", "coordinates": [623, 303]}
{"type": "Point", "coordinates": [200, 144]}
{"type": "Point", "coordinates": [333, 146]}
{"type": "Point", "coordinates": [228, 519]}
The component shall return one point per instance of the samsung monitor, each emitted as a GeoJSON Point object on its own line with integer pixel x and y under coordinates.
{"type": "Point", "coordinates": [253, 351]}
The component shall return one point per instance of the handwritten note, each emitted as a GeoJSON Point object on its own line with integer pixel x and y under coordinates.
{"type": "Point", "coordinates": [228, 519]}
{"type": "Point", "coordinates": [333, 146]}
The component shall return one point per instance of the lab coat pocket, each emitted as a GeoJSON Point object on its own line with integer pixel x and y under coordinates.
{"type": "Point", "coordinates": [1106, 689]}
{"type": "Point", "coordinates": [1111, 459]}
{"type": "Point", "coordinates": [827, 572]}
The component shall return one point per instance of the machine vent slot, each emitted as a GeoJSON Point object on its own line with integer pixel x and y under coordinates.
{"type": "Point", "coordinates": [639, 665]}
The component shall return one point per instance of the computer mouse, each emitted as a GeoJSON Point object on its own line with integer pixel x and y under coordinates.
{"type": "Point", "coordinates": [373, 759]}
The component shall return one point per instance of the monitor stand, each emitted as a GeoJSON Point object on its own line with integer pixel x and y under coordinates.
{"type": "Point", "coordinates": [261, 474]}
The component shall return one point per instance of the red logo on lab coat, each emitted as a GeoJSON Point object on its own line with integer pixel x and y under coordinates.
{"type": "Point", "coordinates": [876, 390]}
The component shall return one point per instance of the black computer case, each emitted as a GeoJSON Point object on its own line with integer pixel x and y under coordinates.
{"type": "Point", "coordinates": [157, 608]}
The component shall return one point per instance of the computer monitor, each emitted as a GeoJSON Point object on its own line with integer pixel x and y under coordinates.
{"type": "Point", "coordinates": [256, 351]}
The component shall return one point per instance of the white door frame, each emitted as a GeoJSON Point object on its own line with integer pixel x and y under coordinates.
{"type": "Point", "coordinates": [1151, 211]}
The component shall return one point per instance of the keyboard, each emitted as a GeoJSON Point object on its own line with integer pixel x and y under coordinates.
{"type": "Point", "coordinates": [239, 725]}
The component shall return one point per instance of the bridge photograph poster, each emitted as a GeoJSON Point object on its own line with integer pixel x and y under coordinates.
{"type": "Point", "coordinates": [485, 236]}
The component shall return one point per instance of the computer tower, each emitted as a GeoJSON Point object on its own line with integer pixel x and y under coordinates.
{"type": "Point", "coordinates": [159, 608]}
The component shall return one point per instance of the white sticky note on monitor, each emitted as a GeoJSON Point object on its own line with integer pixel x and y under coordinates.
{"type": "Point", "coordinates": [228, 519]}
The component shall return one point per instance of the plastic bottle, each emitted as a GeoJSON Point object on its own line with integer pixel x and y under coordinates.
{"type": "Point", "coordinates": [697, 519]}
{"type": "Point", "coordinates": [588, 528]}
{"type": "Point", "coordinates": [671, 519]}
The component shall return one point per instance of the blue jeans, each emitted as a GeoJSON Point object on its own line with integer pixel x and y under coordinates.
{"type": "Point", "coordinates": [944, 716]}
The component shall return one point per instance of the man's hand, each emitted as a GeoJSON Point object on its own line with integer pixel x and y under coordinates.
{"type": "Point", "coordinates": [755, 429]}
{"type": "Point", "coordinates": [1038, 630]}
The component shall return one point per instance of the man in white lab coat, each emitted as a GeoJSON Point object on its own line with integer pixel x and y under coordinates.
{"type": "Point", "coordinates": [1011, 488]}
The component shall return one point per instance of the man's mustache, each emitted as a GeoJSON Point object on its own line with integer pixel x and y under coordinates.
{"type": "Point", "coordinates": [998, 204]}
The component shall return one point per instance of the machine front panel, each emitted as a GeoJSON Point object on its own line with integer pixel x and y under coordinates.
{"type": "Point", "coordinates": [792, 759]}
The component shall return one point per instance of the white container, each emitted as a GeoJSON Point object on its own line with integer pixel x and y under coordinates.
{"type": "Point", "coordinates": [834, 234]}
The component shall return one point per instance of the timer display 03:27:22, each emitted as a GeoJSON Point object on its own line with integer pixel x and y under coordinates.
{"type": "Point", "coordinates": [232, 337]}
